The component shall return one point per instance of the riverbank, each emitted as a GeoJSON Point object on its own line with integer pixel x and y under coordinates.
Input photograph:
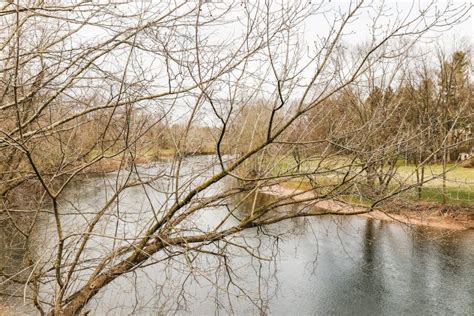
{"type": "Point", "coordinates": [107, 165]}
{"type": "Point", "coordinates": [454, 217]}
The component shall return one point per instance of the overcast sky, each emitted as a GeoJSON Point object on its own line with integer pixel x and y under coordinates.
{"type": "Point", "coordinates": [317, 25]}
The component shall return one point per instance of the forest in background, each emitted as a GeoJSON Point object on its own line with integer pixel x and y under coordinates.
{"type": "Point", "coordinates": [90, 89]}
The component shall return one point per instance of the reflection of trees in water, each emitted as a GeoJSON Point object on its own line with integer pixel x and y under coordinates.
{"type": "Point", "coordinates": [265, 242]}
{"type": "Point", "coordinates": [448, 246]}
{"type": "Point", "coordinates": [251, 202]}
{"type": "Point", "coordinates": [369, 275]}
{"type": "Point", "coordinates": [369, 245]}
{"type": "Point", "coordinates": [371, 257]}
{"type": "Point", "coordinates": [13, 261]}
{"type": "Point", "coordinates": [436, 265]}
{"type": "Point", "coordinates": [12, 249]}
{"type": "Point", "coordinates": [18, 255]}
{"type": "Point", "coordinates": [370, 250]}
{"type": "Point", "coordinates": [437, 247]}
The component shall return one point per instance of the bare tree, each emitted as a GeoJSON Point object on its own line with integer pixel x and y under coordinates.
{"type": "Point", "coordinates": [83, 82]}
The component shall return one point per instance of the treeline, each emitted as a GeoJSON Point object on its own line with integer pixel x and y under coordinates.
{"type": "Point", "coordinates": [423, 116]}
{"type": "Point", "coordinates": [418, 111]}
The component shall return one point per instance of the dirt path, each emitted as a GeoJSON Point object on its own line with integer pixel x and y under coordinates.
{"type": "Point", "coordinates": [405, 217]}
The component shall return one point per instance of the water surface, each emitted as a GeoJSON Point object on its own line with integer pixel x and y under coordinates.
{"type": "Point", "coordinates": [319, 266]}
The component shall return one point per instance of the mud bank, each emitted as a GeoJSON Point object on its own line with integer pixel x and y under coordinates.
{"type": "Point", "coordinates": [424, 214]}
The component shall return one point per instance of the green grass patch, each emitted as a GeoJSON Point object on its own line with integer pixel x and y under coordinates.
{"type": "Point", "coordinates": [297, 184]}
{"type": "Point", "coordinates": [456, 176]}
{"type": "Point", "coordinates": [454, 195]}
{"type": "Point", "coordinates": [357, 199]}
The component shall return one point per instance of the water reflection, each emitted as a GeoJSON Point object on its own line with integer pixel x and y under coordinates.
{"type": "Point", "coordinates": [324, 265]}
{"type": "Point", "coordinates": [13, 261]}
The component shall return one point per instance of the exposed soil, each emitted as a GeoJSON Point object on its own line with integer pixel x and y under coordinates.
{"type": "Point", "coordinates": [426, 214]}
{"type": "Point", "coordinates": [468, 163]}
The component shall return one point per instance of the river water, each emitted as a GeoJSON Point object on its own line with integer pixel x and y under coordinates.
{"type": "Point", "coordinates": [319, 266]}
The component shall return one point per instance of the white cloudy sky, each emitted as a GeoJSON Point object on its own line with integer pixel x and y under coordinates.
{"type": "Point", "coordinates": [318, 24]}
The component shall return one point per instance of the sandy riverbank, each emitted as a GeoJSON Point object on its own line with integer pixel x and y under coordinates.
{"type": "Point", "coordinates": [424, 214]}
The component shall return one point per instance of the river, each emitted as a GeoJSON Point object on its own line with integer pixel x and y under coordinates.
{"type": "Point", "coordinates": [319, 266]}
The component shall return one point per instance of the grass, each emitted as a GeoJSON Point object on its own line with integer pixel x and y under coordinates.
{"type": "Point", "coordinates": [454, 195]}
{"type": "Point", "coordinates": [298, 185]}
{"type": "Point", "coordinates": [284, 164]}
{"type": "Point", "coordinates": [166, 152]}
{"type": "Point", "coordinates": [459, 181]}
{"type": "Point", "coordinates": [456, 176]}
